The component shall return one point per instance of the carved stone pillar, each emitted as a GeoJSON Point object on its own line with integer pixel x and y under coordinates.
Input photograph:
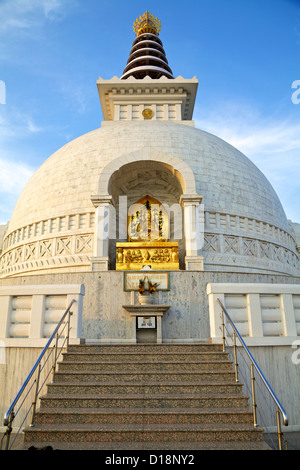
{"type": "Point", "coordinates": [103, 228]}
{"type": "Point", "coordinates": [193, 215]}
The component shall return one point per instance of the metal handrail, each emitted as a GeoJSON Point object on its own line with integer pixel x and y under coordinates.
{"type": "Point", "coordinates": [9, 415]}
{"type": "Point", "coordinates": [280, 409]}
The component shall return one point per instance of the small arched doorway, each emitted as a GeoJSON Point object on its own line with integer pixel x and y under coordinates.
{"type": "Point", "coordinates": [129, 178]}
{"type": "Point", "coordinates": [150, 194]}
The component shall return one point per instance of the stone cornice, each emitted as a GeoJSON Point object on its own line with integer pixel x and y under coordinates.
{"type": "Point", "coordinates": [191, 199]}
{"type": "Point", "coordinates": [99, 199]}
{"type": "Point", "coordinates": [148, 90]}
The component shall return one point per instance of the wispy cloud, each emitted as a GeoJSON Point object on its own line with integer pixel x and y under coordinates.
{"type": "Point", "coordinates": [18, 15]}
{"type": "Point", "coordinates": [13, 176]}
{"type": "Point", "coordinates": [75, 95]}
{"type": "Point", "coordinates": [273, 144]}
{"type": "Point", "coordinates": [247, 130]}
{"type": "Point", "coordinates": [16, 128]}
{"type": "Point", "coordinates": [14, 123]}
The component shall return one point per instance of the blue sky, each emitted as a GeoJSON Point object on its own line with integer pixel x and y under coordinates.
{"type": "Point", "coordinates": [245, 54]}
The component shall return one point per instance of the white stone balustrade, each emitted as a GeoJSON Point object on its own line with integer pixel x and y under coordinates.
{"type": "Point", "coordinates": [29, 314]}
{"type": "Point", "coordinates": [265, 314]}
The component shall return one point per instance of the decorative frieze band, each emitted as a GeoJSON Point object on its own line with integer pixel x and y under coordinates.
{"type": "Point", "coordinates": [50, 228]}
{"type": "Point", "coordinates": [69, 241]}
{"type": "Point", "coordinates": [50, 253]}
{"type": "Point", "coordinates": [86, 221]}
{"type": "Point", "coordinates": [249, 247]}
{"type": "Point", "coordinates": [216, 221]}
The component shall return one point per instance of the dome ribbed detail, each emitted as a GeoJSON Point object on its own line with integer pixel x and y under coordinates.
{"type": "Point", "coordinates": [147, 58]}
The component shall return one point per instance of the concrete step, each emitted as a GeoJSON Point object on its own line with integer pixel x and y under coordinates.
{"type": "Point", "coordinates": [144, 366]}
{"type": "Point", "coordinates": [169, 396]}
{"type": "Point", "coordinates": [148, 390]}
{"type": "Point", "coordinates": [144, 356]}
{"type": "Point", "coordinates": [151, 446]}
{"type": "Point", "coordinates": [161, 377]}
{"type": "Point", "coordinates": [143, 416]}
{"type": "Point", "coordinates": [147, 347]}
{"type": "Point", "coordinates": [128, 401]}
{"type": "Point", "coordinates": [145, 432]}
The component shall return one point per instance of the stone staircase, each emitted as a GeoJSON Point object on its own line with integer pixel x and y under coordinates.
{"type": "Point", "coordinates": [144, 396]}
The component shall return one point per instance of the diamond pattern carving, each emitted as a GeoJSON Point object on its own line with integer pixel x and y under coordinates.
{"type": "Point", "coordinates": [249, 247]}
{"type": "Point", "coordinates": [264, 250]}
{"type": "Point", "coordinates": [84, 243]}
{"type": "Point", "coordinates": [63, 246]}
{"type": "Point", "coordinates": [46, 247]}
{"type": "Point", "coordinates": [30, 252]}
{"type": "Point", "coordinates": [212, 243]}
{"type": "Point", "coordinates": [231, 245]}
{"type": "Point", "coordinates": [18, 255]}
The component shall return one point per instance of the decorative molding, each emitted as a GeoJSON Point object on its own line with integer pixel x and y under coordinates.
{"type": "Point", "coordinates": [220, 244]}
{"type": "Point", "coordinates": [190, 199]}
{"type": "Point", "coordinates": [52, 243]}
{"type": "Point", "coordinates": [178, 92]}
{"type": "Point", "coordinates": [58, 252]}
{"type": "Point", "coordinates": [43, 229]}
{"type": "Point", "coordinates": [218, 222]}
{"type": "Point", "coordinates": [99, 199]}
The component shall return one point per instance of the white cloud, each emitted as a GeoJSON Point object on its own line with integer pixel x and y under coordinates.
{"type": "Point", "coordinates": [15, 128]}
{"type": "Point", "coordinates": [32, 127]}
{"type": "Point", "coordinates": [273, 145]}
{"type": "Point", "coordinates": [52, 8]}
{"type": "Point", "coordinates": [75, 95]}
{"type": "Point", "coordinates": [14, 123]}
{"type": "Point", "coordinates": [13, 176]}
{"type": "Point", "coordinates": [18, 15]}
{"type": "Point", "coordinates": [244, 128]}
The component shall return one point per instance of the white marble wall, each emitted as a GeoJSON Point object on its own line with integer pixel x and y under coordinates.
{"type": "Point", "coordinates": [30, 314]}
{"type": "Point", "coordinates": [105, 319]}
{"type": "Point", "coordinates": [187, 320]}
{"type": "Point", "coordinates": [265, 314]}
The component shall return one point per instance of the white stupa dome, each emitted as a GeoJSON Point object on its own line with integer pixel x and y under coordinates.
{"type": "Point", "coordinates": [52, 226]}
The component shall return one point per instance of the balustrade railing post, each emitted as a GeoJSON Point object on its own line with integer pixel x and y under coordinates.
{"type": "Point", "coordinates": [236, 366]}
{"type": "Point", "coordinates": [10, 414]}
{"type": "Point", "coordinates": [54, 358]}
{"type": "Point", "coordinates": [8, 430]}
{"type": "Point", "coordinates": [223, 329]}
{"type": "Point", "coordinates": [279, 433]}
{"type": "Point", "coordinates": [68, 330]}
{"type": "Point", "coordinates": [35, 396]}
{"type": "Point", "coordinates": [253, 395]}
{"type": "Point", "coordinates": [254, 366]}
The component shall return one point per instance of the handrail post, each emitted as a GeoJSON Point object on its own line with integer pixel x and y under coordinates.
{"type": "Point", "coordinates": [279, 433]}
{"type": "Point", "coordinates": [253, 395]}
{"type": "Point", "coordinates": [68, 330]}
{"type": "Point", "coordinates": [236, 366]}
{"type": "Point", "coordinates": [254, 365]}
{"type": "Point", "coordinates": [54, 358]}
{"type": "Point", "coordinates": [223, 329]}
{"type": "Point", "coordinates": [10, 414]}
{"type": "Point", "coordinates": [9, 429]}
{"type": "Point", "coordinates": [35, 396]}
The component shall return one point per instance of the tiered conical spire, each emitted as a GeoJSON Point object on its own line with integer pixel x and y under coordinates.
{"type": "Point", "coordinates": [147, 56]}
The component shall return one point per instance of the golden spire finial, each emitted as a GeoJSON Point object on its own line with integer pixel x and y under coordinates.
{"type": "Point", "coordinates": [147, 23]}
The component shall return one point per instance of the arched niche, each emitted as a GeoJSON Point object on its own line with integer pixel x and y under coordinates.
{"type": "Point", "coordinates": [148, 220]}
{"type": "Point", "coordinates": [131, 183]}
